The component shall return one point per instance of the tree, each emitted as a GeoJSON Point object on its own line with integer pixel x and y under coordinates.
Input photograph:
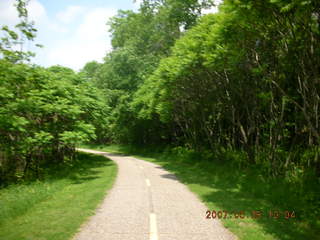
{"type": "Point", "coordinates": [235, 79]}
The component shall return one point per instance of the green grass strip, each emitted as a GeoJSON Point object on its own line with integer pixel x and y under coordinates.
{"type": "Point", "coordinates": [55, 208]}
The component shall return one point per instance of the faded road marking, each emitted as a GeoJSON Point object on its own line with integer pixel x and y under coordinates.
{"type": "Point", "coordinates": [153, 227]}
{"type": "Point", "coordinates": [148, 182]}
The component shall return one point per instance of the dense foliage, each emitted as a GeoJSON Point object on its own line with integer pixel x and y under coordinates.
{"type": "Point", "coordinates": [44, 113]}
{"type": "Point", "coordinates": [243, 79]}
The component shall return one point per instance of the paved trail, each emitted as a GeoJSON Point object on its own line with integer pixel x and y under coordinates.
{"type": "Point", "coordinates": [148, 203]}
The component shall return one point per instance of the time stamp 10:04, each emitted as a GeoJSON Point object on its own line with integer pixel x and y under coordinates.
{"type": "Point", "coordinates": [212, 214]}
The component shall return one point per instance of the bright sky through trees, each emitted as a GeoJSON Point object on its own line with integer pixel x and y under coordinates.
{"type": "Point", "coordinates": [73, 32]}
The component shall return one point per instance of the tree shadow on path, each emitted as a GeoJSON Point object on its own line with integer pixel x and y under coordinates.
{"type": "Point", "coordinates": [236, 192]}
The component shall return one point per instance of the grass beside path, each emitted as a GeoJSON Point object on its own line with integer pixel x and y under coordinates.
{"type": "Point", "coordinates": [54, 209]}
{"type": "Point", "coordinates": [223, 187]}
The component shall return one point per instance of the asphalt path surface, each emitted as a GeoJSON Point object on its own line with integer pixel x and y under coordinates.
{"type": "Point", "coordinates": [149, 203]}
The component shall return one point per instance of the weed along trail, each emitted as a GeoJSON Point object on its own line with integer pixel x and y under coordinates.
{"type": "Point", "coordinates": [148, 203]}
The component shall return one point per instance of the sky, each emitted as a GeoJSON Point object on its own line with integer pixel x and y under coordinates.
{"type": "Point", "coordinates": [73, 32]}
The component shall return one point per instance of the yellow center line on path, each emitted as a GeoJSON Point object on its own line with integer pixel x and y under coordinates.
{"type": "Point", "coordinates": [152, 218]}
{"type": "Point", "coordinates": [153, 227]}
{"type": "Point", "coordinates": [148, 182]}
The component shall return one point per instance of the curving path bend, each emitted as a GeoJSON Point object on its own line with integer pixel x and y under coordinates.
{"type": "Point", "coordinates": [148, 203]}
